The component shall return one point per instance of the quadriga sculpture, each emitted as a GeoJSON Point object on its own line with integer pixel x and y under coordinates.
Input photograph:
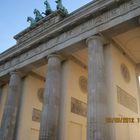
{"type": "Point", "coordinates": [48, 8]}
{"type": "Point", "coordinates": [61, 7]}
{"type": "Point", "coordinates": [31, 20]}
{"type": "Point", "coordinates": [38, 15]}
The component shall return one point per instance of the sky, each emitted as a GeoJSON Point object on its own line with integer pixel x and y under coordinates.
{"type": "Point", "coordinates": [14, 13]}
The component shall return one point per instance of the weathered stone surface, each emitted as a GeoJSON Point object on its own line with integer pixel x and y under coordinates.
{"type": "Point", "coordinates": [11, 108]}
{"type": "Point", "coordinates": [97, 93]}
{"type": "Point", "coordinates": [0, 93]}
{"type": "Point", "coordinates": [50, 113]}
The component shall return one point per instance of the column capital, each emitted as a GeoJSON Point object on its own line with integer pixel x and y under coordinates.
{"type": "Point", "coordinates": [1, 83]}
{"type": "Point", "coordinates": [54, 55]}
{"type": "Point", "coordinates": [96, 38]}
{"type": "Point", "coordinates": [16, 72]}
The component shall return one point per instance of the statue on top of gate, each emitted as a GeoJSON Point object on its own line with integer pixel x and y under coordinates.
{"type": "Point", "coordinates": [38, 15]}
{"type": "Point", "coordinates": [61, 7]}
{"type": "Point", "coordinates": [31, 20]}
{"type": "Point", "coordinates": [48, 8]}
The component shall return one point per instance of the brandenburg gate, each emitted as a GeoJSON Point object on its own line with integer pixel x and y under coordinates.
{"type": "Point", "coordinates": [74, 76]}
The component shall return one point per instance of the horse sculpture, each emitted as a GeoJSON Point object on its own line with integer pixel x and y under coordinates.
{"type": "Point", "coordinates": [61, 7]}
{"type": "Point", "coordinates": [48, 8]}
{"type": "Point", "coordinates": [38, 15]}
{"type": "Point", "coordinates": [31, 20]}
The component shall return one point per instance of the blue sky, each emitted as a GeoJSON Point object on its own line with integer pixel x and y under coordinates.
{"type": "Point", "coordinates": [13, 15]}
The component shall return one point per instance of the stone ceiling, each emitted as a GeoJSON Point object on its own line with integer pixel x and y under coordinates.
{"type": "Point", "coordinates": [130, 43]}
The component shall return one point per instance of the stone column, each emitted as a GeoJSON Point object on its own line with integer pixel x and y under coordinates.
{"type": "Point", "coordinates": [0, 92]}
{"type": "Point", "coordinates": [137, 69]}
{"type": "Point", "coordinates": [97, 129]}
{"type": "Point", "coordinates": [11, 107]}
{"type": "Point", "coordinates": [51, 105]}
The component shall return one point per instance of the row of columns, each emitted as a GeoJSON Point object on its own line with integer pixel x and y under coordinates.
{"type": "Point", "coordinates": [49, 127]}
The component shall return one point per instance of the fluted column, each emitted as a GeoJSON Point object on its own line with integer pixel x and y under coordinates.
{"type": "Point", "coordinates": [51, 105]}
{"type": "Point", "coordinates": [97, 129]}
{"type": "Point", "coordinates": [0, 93]}
{"type": "Point", "coordinates": [11, 107]}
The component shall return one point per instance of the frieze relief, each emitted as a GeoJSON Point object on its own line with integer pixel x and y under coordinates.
{"type": "Point", "coordinates": [83, 84]}
{"type": "Point", "coordinates": [84, 27]}
{"type": "Point", "coordinates": [127, 100]}
{"type": "Point", "coordinates": [125, 73]}
{"type": "Point", "coordinates": [78, 107]}
{"type": "Point", "coordinates": [36, 115]}
{"type": "Point", "coordinates": [40, 94]}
